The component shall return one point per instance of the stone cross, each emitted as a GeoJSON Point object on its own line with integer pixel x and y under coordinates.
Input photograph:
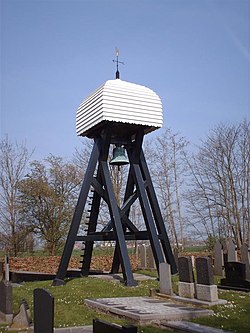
{"type": "Point", "coordinates": [218, 259]}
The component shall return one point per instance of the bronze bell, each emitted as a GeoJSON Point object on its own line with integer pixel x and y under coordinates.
{"type": "Point", "coordinates": [119, 156]}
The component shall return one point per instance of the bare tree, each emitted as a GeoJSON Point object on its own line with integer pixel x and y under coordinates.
{"type": "Point", "coordinates": [13, 164]}
{"type": "Point", "coordinates": [167, 168]}
{"type": "Point", "coordinates": [219, 195]}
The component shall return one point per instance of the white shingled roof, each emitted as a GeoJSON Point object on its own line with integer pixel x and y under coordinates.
{"type": "Point", "coordinates": [121, 102]}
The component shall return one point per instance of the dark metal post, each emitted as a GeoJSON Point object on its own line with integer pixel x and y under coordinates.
{"type": "Point", "coordinates": [115, 217]}
{"type": "Point", "coordinates": [157, 215]}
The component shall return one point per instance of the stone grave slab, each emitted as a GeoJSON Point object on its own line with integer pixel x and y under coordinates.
{"type": "Point", "coordinates": [146, 309]}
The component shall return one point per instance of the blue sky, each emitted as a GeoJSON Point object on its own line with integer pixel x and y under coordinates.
{"type": "Point", "coordinates": [195, 54]}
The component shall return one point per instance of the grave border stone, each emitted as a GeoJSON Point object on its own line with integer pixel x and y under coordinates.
{"type": "Point", "coordinates": [100, 326]}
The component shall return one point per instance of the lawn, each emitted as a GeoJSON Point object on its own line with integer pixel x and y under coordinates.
{"type": "Point", "coordinates": [71, 311]}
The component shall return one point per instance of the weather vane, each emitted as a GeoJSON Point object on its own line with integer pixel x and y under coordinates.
{"type": "Point", "coordinates": [117, 74]}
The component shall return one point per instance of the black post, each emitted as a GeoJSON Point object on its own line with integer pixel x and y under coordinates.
{"type": "Point", "coordinates": [69, 245]}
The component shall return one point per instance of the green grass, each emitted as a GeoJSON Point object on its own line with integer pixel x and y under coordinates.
{"type": "Point", "coordinates": [71, 311]}
{"type": "Point", "coordinates": [69, 306]}
{"type": "Point", "coordinates": [234, 316]}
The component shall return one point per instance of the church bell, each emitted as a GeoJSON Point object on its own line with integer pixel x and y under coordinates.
{"type": "Point", "coordinates": [119, 156]}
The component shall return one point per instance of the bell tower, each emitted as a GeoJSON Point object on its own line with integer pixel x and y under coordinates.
{"type": "Point", "coordinates": [118, 113]}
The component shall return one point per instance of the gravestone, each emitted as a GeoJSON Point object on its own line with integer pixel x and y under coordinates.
{"type": "Point", "coordinates": [204, 271]}
{"type": "Point", "coordinates": [101, 326]}
{"type": "Point", "coordinates": [235, 277]}
{"type": "Point", "coordinates": [6, 312]}
{"type": "Point", "coordinates": [176, 254]}
{"type": "Point", "coordinates": [206, 290]}
{"type": "Point", "coordinates": [143, 256]}
{"type": "Point", "coordinates": [43, 311]}
{"type": "Point", "coordinates": [151, 260]}
{"type": "Point", "coordinates": [231, 250]}
{"type": "Point", "coordinates": [186, 277]}
{"type": "Point", "coordinates": [165, 279]}
{"type": "Point", "coordinates": [218, 259]}
{"type": "Point", "coordinates": [245, 259]}
{"type": "Point", "coordinates": [1, 270]}
{"type": "Point", "coordinates": [23, 318]}
{"type": "Point", "coordinates": [225, 252]}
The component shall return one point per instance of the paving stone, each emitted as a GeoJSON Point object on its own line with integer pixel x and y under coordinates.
{"type": "Point", "coordinates": [82, 329]}
{"type": "Point", "coordinates": [184, 326]}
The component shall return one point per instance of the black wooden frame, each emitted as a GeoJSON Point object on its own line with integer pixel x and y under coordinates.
{"type": "Point", "coordinates": [119, 228]}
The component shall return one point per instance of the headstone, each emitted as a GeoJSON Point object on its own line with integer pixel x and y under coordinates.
{"type": "Point", "coordinates": [43, 311]}
{"type": "Point", "coordinates": [186, 273]}
{"type": "Point", "coordinates": [235, 276]}
{"type": "Point", "coordinates": [218, 259]}
{"type": "Point", "coordinates": [232, 253]}
{"type": "Point", "coordinates": [143, 256]}
{"type": "Point", "coordinates": [23, 318]}
{"type": "Point", "coordinates": [244, 251]}
{"type": "Point", "coordinates": [151, 260]}
{"type": "Point", "coordinates": [1, 270]}
{"type": "Point", "coordinates": [6, 312]}
{"type": "Point", "coordinates": [225, 251]}
{"type": "Point", "coordinates": [186, 284]}
{"type": "Point", "coordinates": [206, 290]}
{"type": "Point", "coordinates": [165, 279]}
{"type": "Point", "coordinates": [101, 326]}
{"type": "Point", "coordinates": [176, 255]}
{"type": "Point", "coordinates": [204, 271]}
